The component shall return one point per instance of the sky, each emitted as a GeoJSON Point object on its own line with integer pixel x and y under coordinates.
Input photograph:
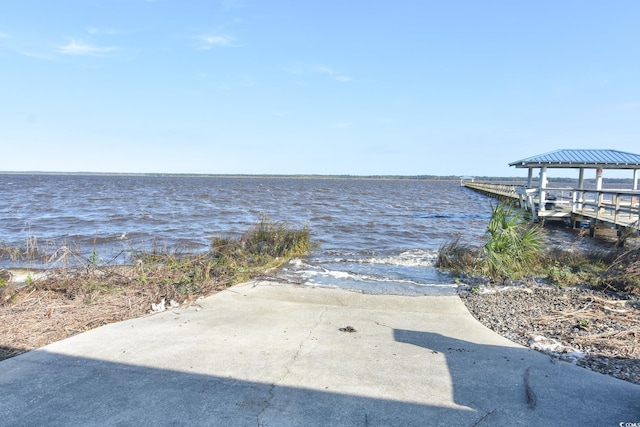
{"type": "Point", "coordinates": [314, 87]}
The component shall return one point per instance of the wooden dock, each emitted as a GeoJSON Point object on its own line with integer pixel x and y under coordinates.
{"type": "Point", "coordinates": [617, 209]}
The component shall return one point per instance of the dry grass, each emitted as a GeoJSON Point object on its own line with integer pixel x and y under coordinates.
{"type": "Point", "coordinates": [62, 302]}
{"type": "Point", "coordinates": [65, 303]}
{"type": "Point", "coordinates": [612, 326]}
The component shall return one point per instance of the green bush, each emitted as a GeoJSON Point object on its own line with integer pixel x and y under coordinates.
{"type": "Point", "coordinates": [514, 246]}
{"type": "Point", "coordinates": [569, 268]}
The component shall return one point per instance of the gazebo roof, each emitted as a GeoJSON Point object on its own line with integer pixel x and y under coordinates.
{"type": "Point", "coordinates": [570, 159]}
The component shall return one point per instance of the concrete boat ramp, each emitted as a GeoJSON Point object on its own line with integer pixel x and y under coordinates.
{"type": "Point", "coordinates": [275, 354]}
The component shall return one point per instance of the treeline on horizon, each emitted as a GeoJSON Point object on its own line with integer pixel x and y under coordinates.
{"type": "Point", "coordinates": [502, 179]}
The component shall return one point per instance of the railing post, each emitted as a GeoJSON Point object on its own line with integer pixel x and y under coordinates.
{"type": "Point", "coordinates": [599, 198]}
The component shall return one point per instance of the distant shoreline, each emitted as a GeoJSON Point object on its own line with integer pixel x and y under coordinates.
{"type": "Point", "coordinates": [196, 175]}
{"type": "Point", "coordinates": [510, 179]}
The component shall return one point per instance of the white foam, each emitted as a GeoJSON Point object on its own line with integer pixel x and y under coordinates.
{"type": "Point", "coordinates": [555, 348]}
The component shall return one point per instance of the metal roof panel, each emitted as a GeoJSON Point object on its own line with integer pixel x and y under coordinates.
{"type": "Point", "coordinates": [609, 159]}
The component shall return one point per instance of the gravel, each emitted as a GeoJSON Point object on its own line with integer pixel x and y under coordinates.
{"type": "Point", "coordinates": [593, 329]}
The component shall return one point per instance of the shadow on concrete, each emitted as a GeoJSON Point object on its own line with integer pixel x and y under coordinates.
{"type": "Point", "coordinates": [43, 388]}
{"type": "Point", "coordinates": [58, 390]}
{"type": "Point", "coordinates": [517, 385]}
{"type": "Point", "coordinates": [9, 352]}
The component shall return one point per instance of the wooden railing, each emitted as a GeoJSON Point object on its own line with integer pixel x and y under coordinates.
{"type": "Point", "coordinates": [616, 207]}
{"type": "Point", "coordinates": [620, 207]}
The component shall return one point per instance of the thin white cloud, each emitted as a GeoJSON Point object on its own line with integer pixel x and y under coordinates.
{"type": "Point", "coordinates": [325, 70]}
{"type": "Point", "coordinates": [328, 71]}
{"type": "Point", "coordinates": [45, 56]}
{"type": "Point", "coordinates": [212, 41]}
{"type": "Point", "coordinates": [5, 36]}
{"type": "Point", "coordinates": [343, 79]}
{"type": "Point", "coordinates": [79, 48]}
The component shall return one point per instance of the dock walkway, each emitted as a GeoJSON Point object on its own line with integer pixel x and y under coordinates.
{"type": "Point", "coordinates": [613, 208]}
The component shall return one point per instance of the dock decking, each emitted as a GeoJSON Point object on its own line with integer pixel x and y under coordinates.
{"type": "Point", "coordinates": [619, 209]}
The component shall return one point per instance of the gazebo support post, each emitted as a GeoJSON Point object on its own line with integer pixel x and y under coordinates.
{"type": "Point", "coordinates": [599, 186]}
{"type": "Point", "coordinates": [543, 186]}
{"type": "Point", "coordinates": [581, 179]}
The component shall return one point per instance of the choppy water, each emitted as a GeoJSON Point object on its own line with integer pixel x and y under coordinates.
{"type": "Point", "coordinates": [375, 235]}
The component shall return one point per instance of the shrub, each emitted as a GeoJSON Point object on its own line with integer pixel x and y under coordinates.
{"type": "Point", "coordinates": [457, 257]}
{"type": "Point", "coordinates": [567, 268]}
{"type": "Point", "coordinates": [514, 246]}
{"type": "Point", "coordinates": [623, 274]}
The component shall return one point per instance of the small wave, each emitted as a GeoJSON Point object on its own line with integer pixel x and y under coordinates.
{"type": "Point", "coordinates": [410, 258]}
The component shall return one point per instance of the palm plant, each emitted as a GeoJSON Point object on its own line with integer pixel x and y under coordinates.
{"type": "Point", "coordinates": [514, 246]}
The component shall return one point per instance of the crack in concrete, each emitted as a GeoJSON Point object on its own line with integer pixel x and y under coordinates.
{"type": "Point", "coordinates": [287, 370]}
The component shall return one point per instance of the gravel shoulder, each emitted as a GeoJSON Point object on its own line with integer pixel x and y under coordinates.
{"type": "Point", "coordinates": [593, 329]}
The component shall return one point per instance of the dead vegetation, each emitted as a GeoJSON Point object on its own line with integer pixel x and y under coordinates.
{"type": "Point", "coordinates": [60, 302]}
{"type": "Point", "coordinates": [604, 326]}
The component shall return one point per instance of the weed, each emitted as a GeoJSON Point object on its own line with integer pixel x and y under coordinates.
{"type": "Point", "coordinates": [94, 260]}
{"type": "Point", "coordinates": [623, 274]}
{"type": "Point", "coordinates": [457, 257]}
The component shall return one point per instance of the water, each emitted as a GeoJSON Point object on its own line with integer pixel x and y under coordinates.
{"type": "Point", "coordinates": [378, 236]}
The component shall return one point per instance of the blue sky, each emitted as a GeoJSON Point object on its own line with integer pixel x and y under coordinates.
{"type": "Point", "coordinates": [314, 87]}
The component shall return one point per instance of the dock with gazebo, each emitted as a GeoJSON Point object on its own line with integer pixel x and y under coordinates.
{"type": "Point", "coordinates": [593, 207]}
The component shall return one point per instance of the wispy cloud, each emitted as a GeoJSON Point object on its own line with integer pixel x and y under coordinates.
{"type": "Point", "coordinates": [79, 48]}
{"type": "Point", "coordinates": [36, 55]}
{"type": "Point", "coordinates": [23, 47]}
{"type": "Point", "coordinates": [342, 79]}
{"type": "Point", "coordinates": [317, 69]}
{"type": "Point", "coordinates": [325, 70]}
{"type": "Point", "coordinates": [335, 75]}
{"type": "Point", "coordinates": [212, 41]}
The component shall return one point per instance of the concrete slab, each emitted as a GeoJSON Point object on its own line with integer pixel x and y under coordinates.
{"type": "Point", "coordinates": [273, 354]}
